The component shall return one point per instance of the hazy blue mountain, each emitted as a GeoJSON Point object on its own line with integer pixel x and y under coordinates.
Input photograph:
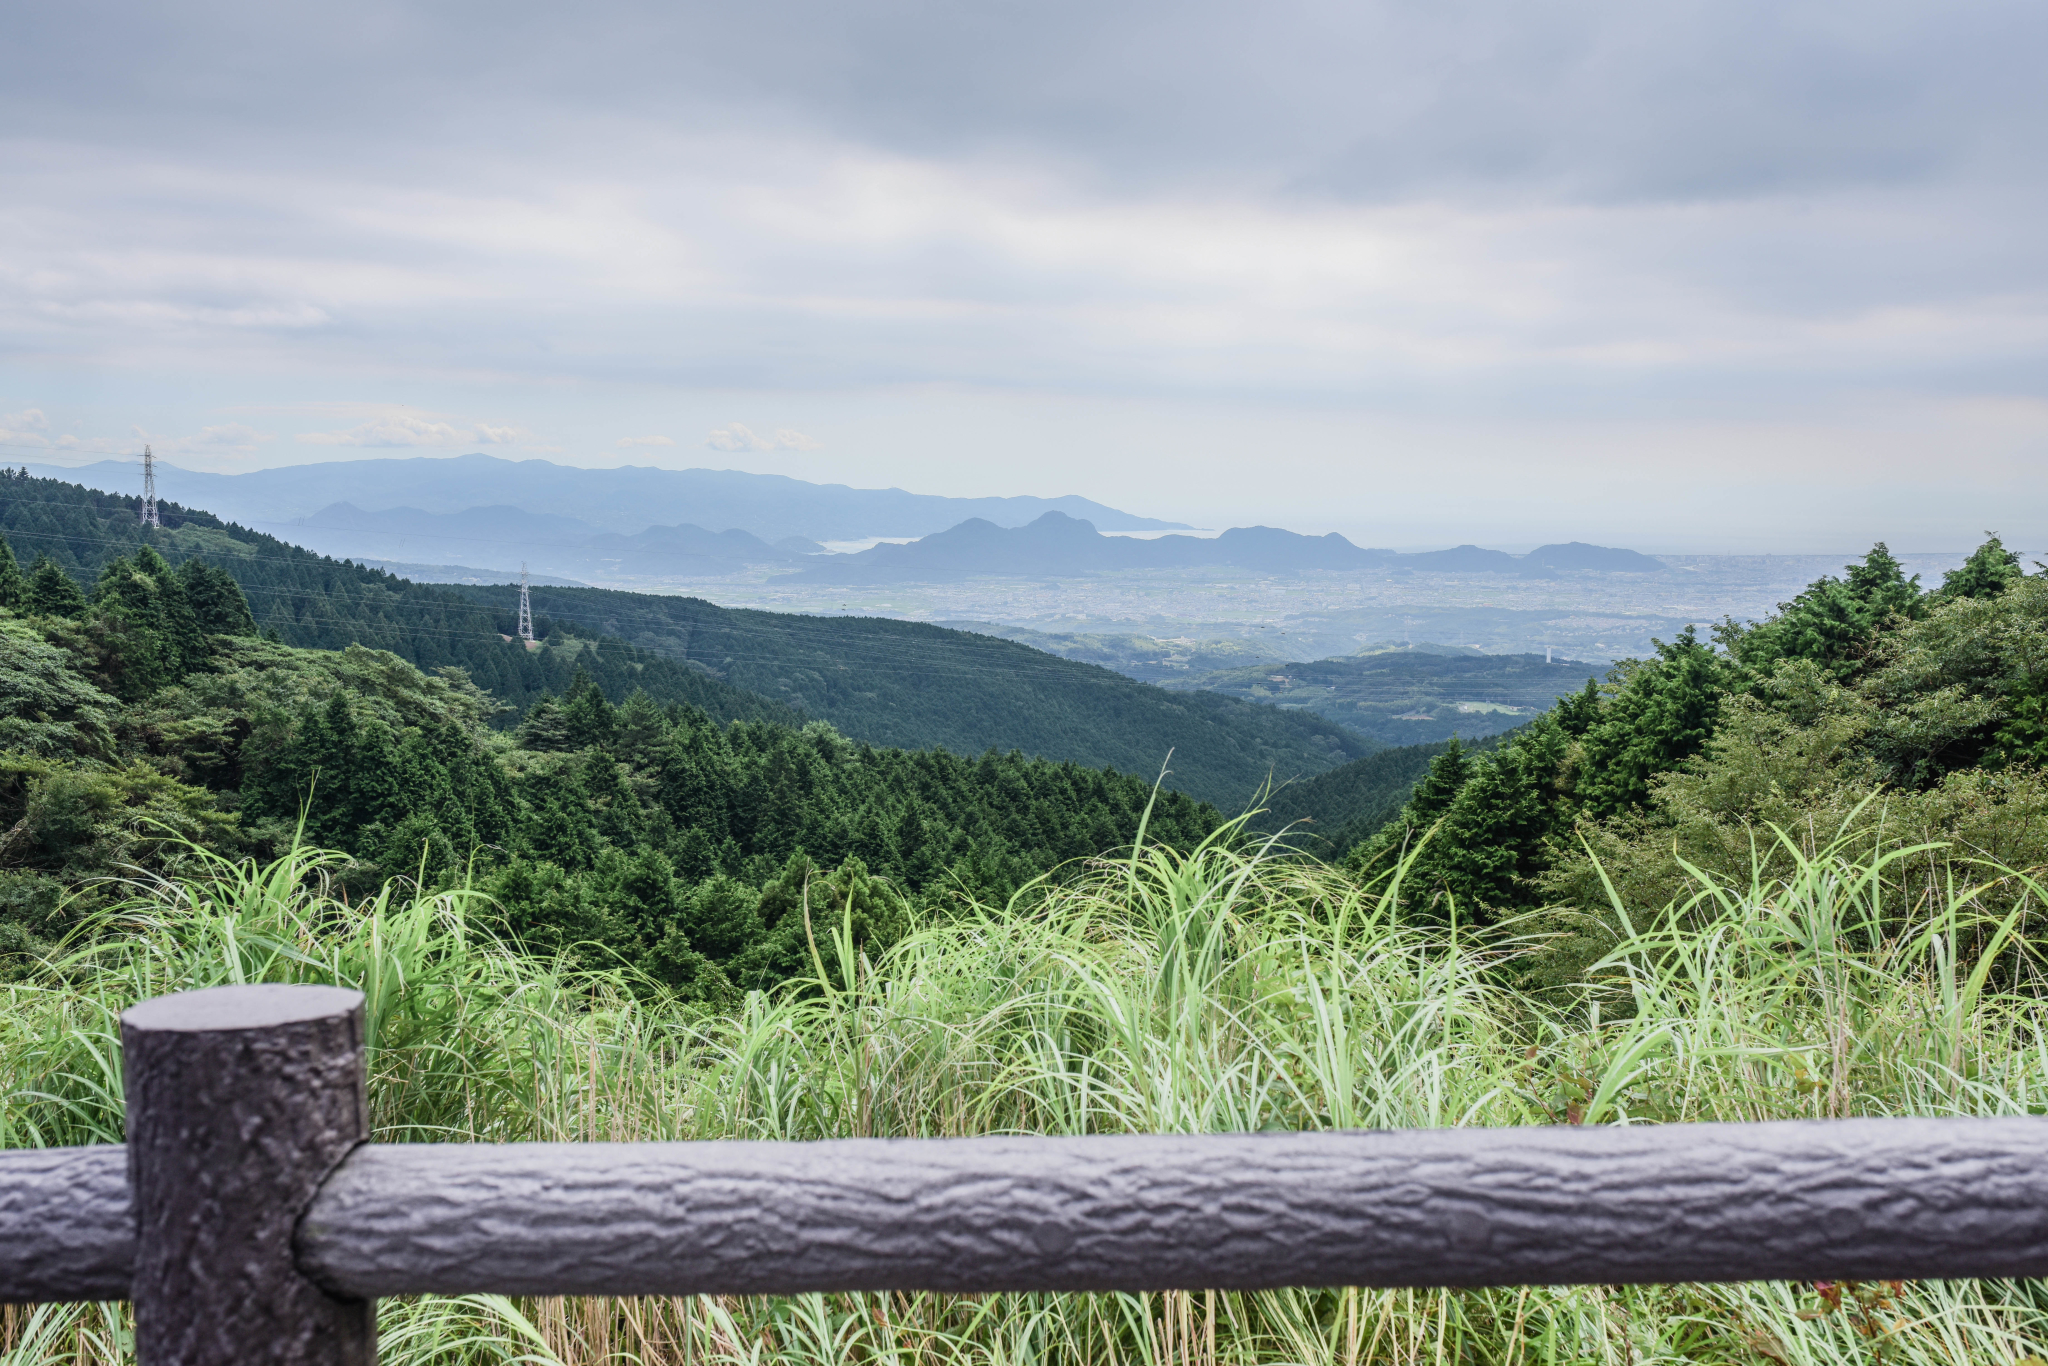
{"type": "Point", "coordinates": [547, 543]}
{"type": "Point", "coordinates": [1266, 547]}
{"type": "Point", "coordinates": [1419, 647]}
{"type": "Point", "coordinates": [1057, 545]}
{"type": "Point", "coordinates": [1464, 559]}
{"type": "Point", "coordinates": [626, 499]}
{"type": "Point", "coordinates": [1604, 559]}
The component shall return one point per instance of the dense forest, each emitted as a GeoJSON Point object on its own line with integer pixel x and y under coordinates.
{"type": "Point", "coordinates": [144, 718]}
{"type": "Point", "coordinates": [889, 683]}
{"type": "Point", "coordinates": [1869, 715]}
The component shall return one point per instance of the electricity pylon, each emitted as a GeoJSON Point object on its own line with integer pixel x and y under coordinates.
{"type": "Point", "coordinates": [525, 608]}
{"type": "Point", "coordinates": [149, 490]}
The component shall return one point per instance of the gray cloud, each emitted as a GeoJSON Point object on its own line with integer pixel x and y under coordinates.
{"type": "Point", "coordinates": [1687, 213]}
{"type": "Point", "coordinates": [1684, 99]}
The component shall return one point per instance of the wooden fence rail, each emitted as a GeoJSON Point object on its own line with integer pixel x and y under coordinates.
{"type": "Point", "coordinates": [249, 1221]}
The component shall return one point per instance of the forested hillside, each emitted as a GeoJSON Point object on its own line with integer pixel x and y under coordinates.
{"type": "Point", "coordinates": [915, 686]}
{"type": "Point", "coordinates": [1869, 715]}
{"type": "Point", "coordinates": [145, 721]}
{"type": "Point", "coordinates": [889, 683]}
{"type": "Point", "coordinates": [306, 600]}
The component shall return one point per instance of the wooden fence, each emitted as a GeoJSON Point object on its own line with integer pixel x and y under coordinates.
{"type": "Point", "coordinates": [249, 1220]}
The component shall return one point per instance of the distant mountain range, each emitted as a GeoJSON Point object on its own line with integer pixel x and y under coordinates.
{"type": "Point", "coordinates": [1057, 545]}
{"type": "Point", "coordinates": [624, 500]}
{"type": "Point", "coordinates": [559, 545]}
{"type": "Point", "coordinates": [638, 526]}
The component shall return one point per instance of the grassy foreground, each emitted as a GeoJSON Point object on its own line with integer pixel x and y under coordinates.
{"type": "Point", "coordinates": [1212, 991]}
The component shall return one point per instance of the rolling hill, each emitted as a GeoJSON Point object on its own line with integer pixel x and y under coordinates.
{"type": "Point", "coordinates": [914, 685]}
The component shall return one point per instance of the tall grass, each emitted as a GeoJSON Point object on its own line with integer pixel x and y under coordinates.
{"type": "Point", "coordinates": [1222, 989]}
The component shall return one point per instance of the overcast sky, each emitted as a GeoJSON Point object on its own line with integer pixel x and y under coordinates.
{"type": "Point", "coordinates": [1683, 276]}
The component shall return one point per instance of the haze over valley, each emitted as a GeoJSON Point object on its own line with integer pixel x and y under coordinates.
{"type": "Point", "coordinates": [1165, 603]}
{"type": "Point", "coordinates": [1395, 647]}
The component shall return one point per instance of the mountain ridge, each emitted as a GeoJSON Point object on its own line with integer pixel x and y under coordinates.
{"type": "Point", "coordinates": [620, 498]}
{"type": "Point", "coordinates": [1060, 546]}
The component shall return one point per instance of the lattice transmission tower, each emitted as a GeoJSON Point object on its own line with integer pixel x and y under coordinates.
{"type": "Point", "coordinates": [525, 608]}
{"type": "Point", "coordinates": [149, 490]}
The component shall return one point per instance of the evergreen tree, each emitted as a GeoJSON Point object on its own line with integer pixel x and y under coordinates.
{"type": "Point", "coordinates": [135, 650]}
{"type": "Point", "coordinates": [1493, 829]}
{"type": "Point", "coordinates": [722, 918]}
{"type": "Point", "coordinates": [639, 726]}
{"type": "Point", "coordinates": [1577, 712]}
{"type": "Point", "coordinates": [587, 717]}
{"type": "Point", "coordinates": [51, 591]}
{"type": "Point", "coordinates": [1496, 835]}
{"type": "Point", "coordinates": [343, 771]}
{"type": "Point", "coordinates": [1834, 622]}
{"type": "Point", "coordinates": [1663, 714]}
{"type": "Point", "coordinates": [184, 639]}
{"type": "Point", "coordinates": [216, 600]}
{"type": "Point", "coordinates": [1448, 773]}
{"type": "Point", "coordinates": [1989, 571]}
{"type": "Point", "coordinates": [544, 728]}
{"type": "Point", "coordinates": [13, 584]}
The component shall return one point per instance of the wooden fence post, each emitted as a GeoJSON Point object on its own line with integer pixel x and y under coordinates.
{"type": "Point", "coordinates": [241, 1100]}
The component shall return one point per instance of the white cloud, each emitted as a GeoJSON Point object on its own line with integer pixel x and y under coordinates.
{"type": "Point", "coordinates": [403, 429]}
{"type": "Point", "coordinates": [629, 441]}
{"type": "Point", "coordinates": [231, 434]}
{"type": "Point", "coordinates": [737, 436]}
{"type": "Point", "coordinates": [24, 428]}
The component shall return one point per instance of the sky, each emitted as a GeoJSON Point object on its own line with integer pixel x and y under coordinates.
{"type": "Point", "coordinates": [1684, 276]}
